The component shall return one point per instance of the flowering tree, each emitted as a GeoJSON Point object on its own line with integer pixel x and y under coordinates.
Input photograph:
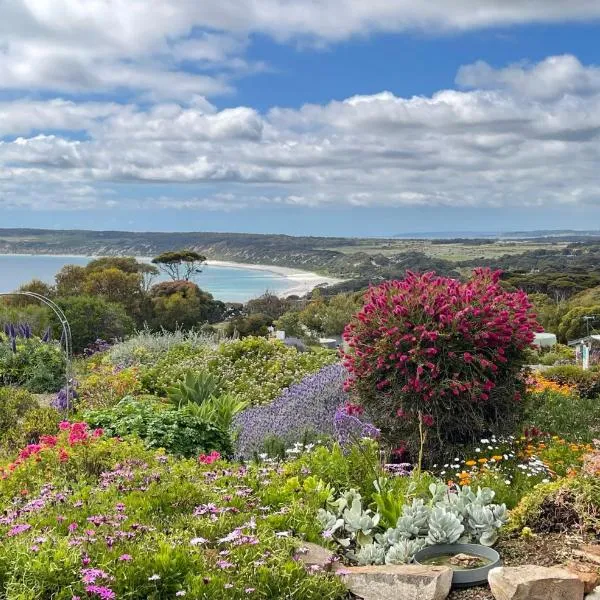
{"type": "Point", "coordinates": [439, 355]}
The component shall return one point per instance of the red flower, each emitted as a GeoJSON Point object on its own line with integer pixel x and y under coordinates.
{"type": "Point", "coordinates": [427, 420]}
{"type": "Point", "coordinates": [354, 409]}
{"type": "Point", "coordinates": [209, 459]}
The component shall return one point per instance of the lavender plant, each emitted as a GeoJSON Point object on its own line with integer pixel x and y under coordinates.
{"type": "Point", "coordinates": [308, 407]}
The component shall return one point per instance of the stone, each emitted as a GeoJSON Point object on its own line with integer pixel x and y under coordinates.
{"type": "Point", "coordinates": [595, 595]}
{"type": "Point", "coordinates": [588, 574]}
{"type": "Point", "coordinates": [530, 582]}
{"type": "Point", "coordinates": [315, 556]}
{"type": "Point", "coordinates": [589, 552]}
{"type": "Point", "coordinates": [398, 582]}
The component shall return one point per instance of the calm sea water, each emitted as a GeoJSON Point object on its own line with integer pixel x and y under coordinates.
{"type": "Point", "coordinates": [230, 284]}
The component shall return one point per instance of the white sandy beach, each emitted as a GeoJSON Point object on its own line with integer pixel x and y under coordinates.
{"type": "Point", "coordinates": [301, 282]}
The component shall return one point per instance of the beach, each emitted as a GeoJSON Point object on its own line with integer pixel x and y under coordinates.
{"type": "Point", "coordinates": [301, 282]}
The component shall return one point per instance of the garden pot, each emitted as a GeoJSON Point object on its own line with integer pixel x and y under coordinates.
{"type": "Point", "coordinates": [463, 577]}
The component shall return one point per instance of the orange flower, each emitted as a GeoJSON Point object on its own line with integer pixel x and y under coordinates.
{"type": "Point", "coordinates": [470, 463]}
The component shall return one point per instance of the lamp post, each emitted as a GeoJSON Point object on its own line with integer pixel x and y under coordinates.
{"type": "Point", "coordinates": [66, 328]}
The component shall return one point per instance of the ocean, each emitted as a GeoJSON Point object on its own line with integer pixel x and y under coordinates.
{"type": "Point", "coordinates": [230, 284]}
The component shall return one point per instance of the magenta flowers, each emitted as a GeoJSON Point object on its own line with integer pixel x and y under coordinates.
{"type": "Point", "coordinates": [441, 352]}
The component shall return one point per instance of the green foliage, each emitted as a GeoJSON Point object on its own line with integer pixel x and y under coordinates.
{"type": "Point", "coordinates": [177, 431]}
{"type": "Point", "coordinates": [256, 324]}
{"type": "Point", "coordinates": [92, 317]}
{"type": "Point", "coordinates": [37, 366]}
{"type": "Point", "coordinates": [254, 370]}
{"type": "Point", "coordinates": [587, 383]}
{"type": "Point", "coordinates": [218, 410]}
{"type": "Point", "coordinates": [33, 423]}
{"type": "Point", "coordinates": [182, 305]}
{"type": "Point", "coordinates": [572, 325]}
{"type": "Point", "coordinates": [194, 388]}
{"type": "Point", "coordinates": [562, 505]}
{"type": "Point", "coordinates": [181, 264]}
{"type": "Point", "coordinates": [570, 416]}
{"type": "Point", "coordinates": [172, 540]}
{"type": "Point", "coordinates": [14, 404]}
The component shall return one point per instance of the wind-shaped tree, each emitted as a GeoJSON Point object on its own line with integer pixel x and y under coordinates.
{"type": "Point", "coordinates": [181, 264]}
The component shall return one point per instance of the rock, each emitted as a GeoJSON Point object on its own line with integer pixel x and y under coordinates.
{"type": "Point", "coordinates": [530, 582]}
{"type": "Point", "coordinates": [398, 582]}
{"type": "Point", "coordinates": [315, 556]}
{"type": "Point", "coordinates": [589, 552]}
{"type": "Point", "coordinates": [595, 595]}
{"type": "Point", "coordinates": [588, 574]}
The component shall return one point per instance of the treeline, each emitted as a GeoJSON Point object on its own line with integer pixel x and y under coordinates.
{"type": "Point", "coordinates": [111, 297]}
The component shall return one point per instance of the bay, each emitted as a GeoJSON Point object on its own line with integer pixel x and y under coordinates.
{"type": "Point", "coordinates": [229, 284]}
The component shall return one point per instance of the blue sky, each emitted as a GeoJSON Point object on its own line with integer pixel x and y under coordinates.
{"type": "Point", "coordinates": [333, 117]}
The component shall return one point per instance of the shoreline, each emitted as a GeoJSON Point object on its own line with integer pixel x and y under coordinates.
{"type": "Point", "coordinates": [301, 282]}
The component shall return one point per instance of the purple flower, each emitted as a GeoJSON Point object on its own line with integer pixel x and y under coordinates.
{"type": "Point", "coordinates": [349, 429]}
{"type": "Point", "coordinates": [303, 409]}
{"type": "Point", "coordinates": [18, 529]}
{"type": "Point", "coordinates": [103, 592]}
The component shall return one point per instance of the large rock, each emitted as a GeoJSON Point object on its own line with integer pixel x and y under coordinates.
{"type": "Point", "coordinates": [588, 574]}
{"type": "Point", "coordinates": [589, 552]}
{"type": "Point", "coordinates": [315, 557]}
{"type": "Point", "coordinates": [595, 595]}
{"type": "Point", "coordinates": [530, 582]}
{"type": "Point", "coordinates": [398, 582]}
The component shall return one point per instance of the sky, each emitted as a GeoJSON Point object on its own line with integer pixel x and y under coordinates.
{"type": "Point", "coordinates": [306, 117]}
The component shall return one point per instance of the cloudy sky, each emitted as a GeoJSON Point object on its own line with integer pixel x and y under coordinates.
{"type": "Point", "coordinates": [300, 116]}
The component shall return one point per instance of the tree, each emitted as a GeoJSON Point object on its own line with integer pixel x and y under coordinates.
{"type": "Point", "coordinates": [115, 285]}
{"type": "Point", "coordinates": [267, 304]}
{"type": "Point", "coordinates": [255, 325]}
{"type": "Point", "coordinates": [92, 318]}
{"type": "Point", "coordinates": [70, 280]}
{"type": "Point", "coordinates": [180, 304]}
{"type": "Point", "coordinates": [573, 325]}
{"type": "Point", "coordinates": [436, 354]}
{"type": "Point", "coordinates": [181, 264]}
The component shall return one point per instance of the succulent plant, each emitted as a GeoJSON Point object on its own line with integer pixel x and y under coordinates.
{"type": "Point", "coordinates": [403, 551]}
{"type": "Point", "coordinates": [370, 554]}
{"type": "Point", "coordinates": [444, 527]}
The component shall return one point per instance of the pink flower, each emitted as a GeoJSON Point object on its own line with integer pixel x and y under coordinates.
{"type": "Point", "coordinates": [427, 420]}
{"type": "Point", "coordinates": [64, 425]}
{"type": "Point", "coordinates": [125, 557]}
{"type": "Point", "coordinates": [209, 459]}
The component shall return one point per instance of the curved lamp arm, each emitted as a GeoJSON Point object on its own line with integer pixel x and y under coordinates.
{"type": "Point", "coordinates": [66, 332]}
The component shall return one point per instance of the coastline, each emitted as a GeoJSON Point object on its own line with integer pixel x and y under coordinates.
{"type": "Point", "coordinates": [301, 282]}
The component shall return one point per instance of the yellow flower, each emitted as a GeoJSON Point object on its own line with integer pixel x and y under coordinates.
{"type": "Point", "coordinates": [470, 463]}
{"type": "Point", "coordinates": [482, 460]}
{"type": "Point", "coordinates": [498, 457]}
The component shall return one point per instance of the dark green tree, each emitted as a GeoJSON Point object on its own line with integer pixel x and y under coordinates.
{"type": "Point", "coordinates": [181, 264]}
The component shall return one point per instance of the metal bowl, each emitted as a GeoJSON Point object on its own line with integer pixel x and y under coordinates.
{"type": "Point", "coordinates": [464, 577]}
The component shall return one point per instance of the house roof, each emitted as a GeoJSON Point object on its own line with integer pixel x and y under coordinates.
{"type": "Point", "coordinates": [589, 338]}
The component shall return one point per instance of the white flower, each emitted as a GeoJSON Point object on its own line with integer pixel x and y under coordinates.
{"type": "Point", "coordinates": [154, 577]}
{"type": "Point", "coordinates": [477, 449]}
{"type": "Point", "coordinates": [485, 441]}
{"type": "Point", "coordinates": [507, 481]}
{"type": "Point", "coordinates": [197, 540]}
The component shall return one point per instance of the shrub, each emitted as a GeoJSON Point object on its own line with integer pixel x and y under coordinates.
{"type": "Point", "coordinates": [177, 431]}
{"type": "Point", "coordinates": [33, 424]}
{"type": "Point", "coordinates": [91, 318]}
{"type": "Point", "coordinates": [147, 347]}
{"type": "Point", "coordinates": [442, 352]}
{"type": "Point", "coordinates": [587, 383]}
{"type": "Point", "coordinates": [254, 370]}
{"type": "Point", "coordinates": [305, 408]}
{"type": "Point", "coordinates": [106, 385]}
{"type": "Point", "coordinates": [14, 405]}
{"type": "Point", "coordinates": [560, 506]}
{"type": "Point", "coordinates": [33, 364]}
{"type": "Point", "coordinates": [564, 414]}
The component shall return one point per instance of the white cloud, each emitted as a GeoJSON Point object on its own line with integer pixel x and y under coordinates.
{"type": "Point", "coordinates": [520, 135]}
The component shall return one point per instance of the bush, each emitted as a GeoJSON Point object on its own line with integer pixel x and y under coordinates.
{"type": "Point", "coordinates": [587, 383]}
{"type": "Point", "coordinates": [91, 318]}
{"type": "Point", "coordinates": [14, 405]}
{"type": "Point", "coordinates": [564, 505]}
{"type": "Point", "coordinates": [34, 423]}
{"type": "Point", "coordinates": [254, 370]}
{"type": "Point", "coordinates": [35, 365]}
{"type": "Point", "coordinates": [106, 385]}
{"type": "Point", "coordinates": [147, 347]}
{"type": "Point", "coordinates": [177, 431]}
{"type": "Point", "coordinates": [304, 409]}
{"type": "Point", "coordinates": [571, 416]}
{"type": "Point", "coordinates": [446, 353]}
